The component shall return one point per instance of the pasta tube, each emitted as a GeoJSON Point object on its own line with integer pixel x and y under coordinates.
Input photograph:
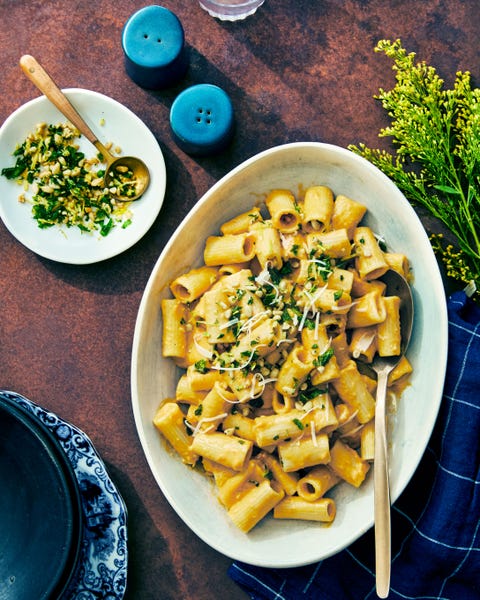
{"type": "Point", "coordinates": [352, 389]}
{"type": "Point", "coordinates": [283, 209]}
{"type": "Point", "coordinates": [347, 213]}
{"type": "Point", "coordinates": [295, 507]}
{"type": "Point", "coordinates": [234, 488]}
{"type": "Point", "coordinates": [229, 249]}
{"type": "Point", "coordinates": [347, 464]}
{"type": "Point", "coordinates": [190, 286]}
{"type": "Point", "coordinates": [316, 483]}
{"type": "Point", "coordinates": [241, 223]}
{"type": "Point", "coordinates": [341, 348]}
{"type": "Point", "coordinates": [215, 406]}
{"type": "Point", "coordinates": [220, 473]}
{"type": "Point", "coordinates": [402, 369]}
{"type": "Point", "coordinates": [232, 269]}
{"type": "Point", "coordinates": [322, 414]}
{"type": "Point", "coordinates": [363, 343]}
{"type": "Point", "coordinates": [370, 261]}
{"type": "Point", "coordinates": [398, 262]}
{"type": "Point", "coordinates": [268, 248]}
{"type": "Point", "coordinates": [273, 429]}
{"type": "Point", "coordinates": [367, 441]}
{"type": "Point", "coordinates": [201, 381]}
{"type": "Point", "coordinates": [169, 420]}
{"type": "Point", "coordinates": [341, 279]}
{"type": "Point", "coordinates": [288, 481]}
{"type": "Point", "coordinates": [229, 451]}
{"type": "Point", "coordinates": [239, 425]}
{"type": "Point", "coordinates": [389, 336]}
{"type": "Point", "coordinates": [334, 243]}
{"type": "Point", "coordinates": [185, 393]}
{"type": "Point", "coordinates": [303, 453]}
{"type": "Point", "coordinates": [317, 208]}
{"type": "Point", "coordinates": [367, 310]}
{"type": "Point", "coordinates": [174, 341]}
{"type": "Point", "coordinates": [282, 404]}
{"type": "Point", "coordinates": [245, 386]}
{"type": "Point", "coordinates": [199, 344]}
{"type": "Point", "coordinates": [254, 505]}
{"type": "Point", "coordinates": [360, 286]}
{"type": "Point", "coordinates": [294, 371]}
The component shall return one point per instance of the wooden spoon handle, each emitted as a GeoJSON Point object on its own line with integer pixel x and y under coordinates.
{"type": "Point", "coordinates": [381, 492]}
{"type": "Point", "coordinates": [37, 75]}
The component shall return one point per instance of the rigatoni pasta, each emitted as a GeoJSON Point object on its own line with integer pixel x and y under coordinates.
{"type": "Point", "coordinates": [318, 207]}
{"type": "Point", "coordinates": [295, 507]}
{"type": "Point", "coordinates": [275, 333]}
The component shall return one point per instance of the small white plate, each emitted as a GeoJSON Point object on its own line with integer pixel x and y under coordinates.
{"type": "Point", "coordinates": [124, 129]}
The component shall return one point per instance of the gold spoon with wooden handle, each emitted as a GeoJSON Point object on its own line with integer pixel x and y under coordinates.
{"type": "Point", "coordinates": [115, 165]}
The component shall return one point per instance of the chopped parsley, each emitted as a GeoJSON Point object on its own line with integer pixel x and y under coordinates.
{"type": "Point", "coordinates": [65, 187]}
{"type": "Point", "coordinates": [309, 394]}
{"type": "Point", "coordinates": [299, 424]}
{"type": "Point", "coordinates": [276, 275]}
{"type": "Point", "coordinates": [201, 366]}
{"type": "Point", "coordinates": [322, 360]}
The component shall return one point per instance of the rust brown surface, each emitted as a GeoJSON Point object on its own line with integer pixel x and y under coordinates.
{"type": "Point", "coordinates": [297, 70]}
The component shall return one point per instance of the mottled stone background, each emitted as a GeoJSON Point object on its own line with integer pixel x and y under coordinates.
{"type": "Point", "coordinates": [297, 70]}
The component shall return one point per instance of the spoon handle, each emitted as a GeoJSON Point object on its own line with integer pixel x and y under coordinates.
{"type": "Point", "coordinates": [381, 491]}
{"type": "Point", "coordinates": [37, 75]}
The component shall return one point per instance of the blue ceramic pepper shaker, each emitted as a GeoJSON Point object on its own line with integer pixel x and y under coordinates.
{"type": "Point", "coordinates": [202, 119]}
{"type": "Point", "coordinates": [153, 43]}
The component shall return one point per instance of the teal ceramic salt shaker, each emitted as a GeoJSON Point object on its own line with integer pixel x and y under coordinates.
{"type": "Point", "coordinates": [153, 42]}
{"type": "Point", "coordinates": [202, 119]}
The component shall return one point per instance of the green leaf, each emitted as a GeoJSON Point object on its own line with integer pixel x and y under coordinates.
{"type": "Point", "coordinates": [447, 189]}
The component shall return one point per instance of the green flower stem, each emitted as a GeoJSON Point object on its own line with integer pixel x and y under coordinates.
{"type": "Point", "coordinates": [436, 164]}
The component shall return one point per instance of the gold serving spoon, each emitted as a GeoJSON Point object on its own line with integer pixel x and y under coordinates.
{"type": "Point", "coordinates": [396, 286]}
{"type": "Point", "coordinates": [116, 166]}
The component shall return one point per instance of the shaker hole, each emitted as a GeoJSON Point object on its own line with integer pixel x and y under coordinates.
{"type": "Point", "coordinates": [145, 35]}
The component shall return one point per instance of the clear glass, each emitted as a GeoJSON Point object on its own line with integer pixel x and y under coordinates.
{"type": "Point", "coordinates": [231, 10]}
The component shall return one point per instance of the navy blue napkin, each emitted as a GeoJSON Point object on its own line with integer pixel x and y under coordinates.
{"type": "Point", "coordinates": [435, 522]}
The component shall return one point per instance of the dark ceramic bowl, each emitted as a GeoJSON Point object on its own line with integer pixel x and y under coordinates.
{"type": "Point", "coordinates": [40, 510]}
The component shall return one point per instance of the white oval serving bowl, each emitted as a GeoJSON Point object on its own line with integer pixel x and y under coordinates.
{"type": "Point", "coordinates": [288, 543]}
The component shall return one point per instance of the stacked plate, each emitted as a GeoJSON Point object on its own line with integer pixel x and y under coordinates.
{"type": "Point", "coordinates": [63, 523]}
{"type": "Point", "coordinates": [40, 510]}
